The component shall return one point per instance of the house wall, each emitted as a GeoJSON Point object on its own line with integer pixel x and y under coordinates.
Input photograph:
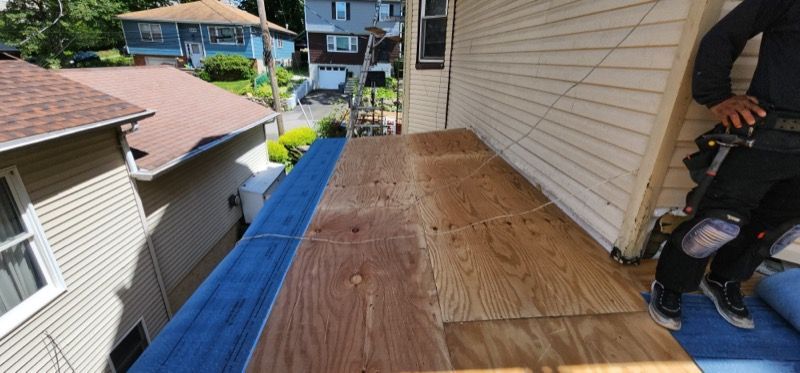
{"type": "Point", "coordinates": [319, 17]}
{"type": "Point", "coordinates": [510, 62]}
{"type": "Point", "coordinates": [426, 91]}
{"type": "Point", "coordinates": [85, 201]}
{"type": "Point", "coordinates": [318, 51]}
{"type": "Point", "coordinates": [282, 55]}
{"type": "Point", "coordinates": [699, 120]}
{"type": "Point", "coordinates": [169, 46]}
{"type": "Point", "coordinates": [187, 208]}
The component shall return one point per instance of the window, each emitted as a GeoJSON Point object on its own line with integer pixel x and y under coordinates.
{"type": "Point", "coordinates": [29, 278]}
{"type": "Point", "coordinates": [386, 12]}
{"type": "Point", "coordinates": [433, 30]}
{"type": "Point", "coordinates": [129, 348]}
{"type": "Point", "coordinates": [278, 42]}
{"type": "Point", "coordinates": [341, 11]}
{"type": "Point", "coordinates": [346, 44]}
{"type": "Point", "coordinates": [225, 35]}
{"type": "Point", "coordinates": [151, 32]}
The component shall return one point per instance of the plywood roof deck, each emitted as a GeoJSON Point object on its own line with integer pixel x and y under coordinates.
{"type": "Point", "coordinates": [392, 290]}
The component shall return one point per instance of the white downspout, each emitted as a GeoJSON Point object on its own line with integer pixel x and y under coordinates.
{"type": "Point", "coordinates": [132, 168]}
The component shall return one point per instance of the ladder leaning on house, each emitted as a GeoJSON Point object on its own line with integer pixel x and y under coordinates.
{"type": "Point", "coordinates": [355, 103]}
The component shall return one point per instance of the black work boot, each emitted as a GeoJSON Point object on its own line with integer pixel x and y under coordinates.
{"type": "Point", "coordinates": [727, 297]}
{"type": "Point", "coordinates": [665, 306]}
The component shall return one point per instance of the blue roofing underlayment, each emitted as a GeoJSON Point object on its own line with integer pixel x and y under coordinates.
{"type": "Point", "coordinates": [719, 347]}
{"type": "Point", "coordinates": [219, 327]}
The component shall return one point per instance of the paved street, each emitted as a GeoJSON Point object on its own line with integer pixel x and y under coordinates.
{"type": "Point", "coordinates": [317, 104]}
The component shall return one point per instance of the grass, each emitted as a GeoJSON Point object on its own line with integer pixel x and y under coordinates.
{"type": "Point", "coordinates": [236, 86]}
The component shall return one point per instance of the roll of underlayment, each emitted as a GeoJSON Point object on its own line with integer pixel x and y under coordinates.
{"type": "Point", "coordinates": [780, 292]}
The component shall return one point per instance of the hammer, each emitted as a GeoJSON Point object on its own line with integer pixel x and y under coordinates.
{"type": "Point", "coordinates": [726, 142]}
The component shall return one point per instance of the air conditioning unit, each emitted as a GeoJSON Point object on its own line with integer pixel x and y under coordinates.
{"type": "Point", "coordinates": [258, 188]}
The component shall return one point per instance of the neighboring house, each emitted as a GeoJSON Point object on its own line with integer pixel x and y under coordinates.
{"type": "Point", "coordinates": [609, 151]}
{"type": "Point", "coordinates": [76, 270]}
{"type": "Point", "coordinates": [188, 162]}
{"type": "Point", "coordinates": [189, 32]}
{"type": "Point", "coordinates": [337, 38]}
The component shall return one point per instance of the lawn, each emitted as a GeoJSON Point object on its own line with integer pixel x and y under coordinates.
{"type": "Point", "coordinates": [236, 86]}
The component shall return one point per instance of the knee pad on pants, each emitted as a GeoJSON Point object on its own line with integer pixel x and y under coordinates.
{"type": "Point", "coordinates": [708, 236]}
{"type": "Point", "coordinates": [786, 239]}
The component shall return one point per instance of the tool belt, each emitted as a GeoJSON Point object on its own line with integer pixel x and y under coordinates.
{"type": "Point", "coordinates": [779, 131]}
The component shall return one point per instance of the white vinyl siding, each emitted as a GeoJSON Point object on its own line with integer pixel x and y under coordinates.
{"type": "Point", "coordinates": [699, 120]}
{"type": "Point", "coordinates": [151, 32]}
{"type": "Point", "coordinates": [511, 61]}
{"type": "Point", "coordinates": [426, 90]}
{"type": "Point", "coordinates": [342, 44]}
{"type": "Point", "coordinates": [385, 12]}
{"type": "Point", "coordinates": [85, 201]}
{"type": "Point", "coordinates": [187, 208]}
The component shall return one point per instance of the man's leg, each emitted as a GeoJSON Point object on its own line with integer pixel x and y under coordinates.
{"type": "Point", "coordinates": [744, 178]}
{"type": "Point", "coordinates": [775, 225]}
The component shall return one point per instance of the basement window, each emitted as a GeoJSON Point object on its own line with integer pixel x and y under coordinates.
{"type": "Point", "coordinates": [433, 33]}
{"type": "Point", "coordinates": [151, 32]}
{"type": "Point", "coordinates": [29, 276]}
{"type": "Point", "coordinates": [129, 348]}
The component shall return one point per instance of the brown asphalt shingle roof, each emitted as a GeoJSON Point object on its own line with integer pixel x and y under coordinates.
{"type": "Point", "coordinates": [202, 11]}
{"type": "Point", "coordinates": [189, 112]}
{"type": "Point", "coordinates": [35, 101]}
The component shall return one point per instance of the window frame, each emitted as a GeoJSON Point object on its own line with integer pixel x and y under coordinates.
{"type": "Point", "coordinates": [42, 254]}
{"type": "Point", "coordinates": [150, 32]}
{"type": "Point", "coordinates": [388, 8]}
{"type": "Point", "coordinates": [344, 4]}
{"type": "Point", "coordinates": [122, 338]}
{"type": "Point", "coordinates": [216, 36]}
{"type": "Point", "coordinates": [278, 42]}
{"type": "Point", "coordinates": [427, 63]}
{"type": "Point", "coordinates": [334, 37]}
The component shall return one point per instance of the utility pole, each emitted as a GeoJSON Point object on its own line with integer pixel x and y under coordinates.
{"type": "Point", "coordinates": [270, 62]}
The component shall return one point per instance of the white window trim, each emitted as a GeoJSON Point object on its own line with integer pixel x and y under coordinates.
{"type": "Point", "coordinates": [278, 42]}
{"type": "Point", "coordinates": [420, 41]}
{"type": "Point", "coordinates": [43, 254]}
{"type": "Point", "coordinates": [353, 41]}
{"type": "Point", "coordinates": [388, 9]}
{"type": "Point", "coordinates": [344, 3]}
{"type": "Point", "coordinates": [119, 340]}
{"type": "Point", "coordinates": [211, 40]}
{"type": "Point", "coordinates": [152, 40]}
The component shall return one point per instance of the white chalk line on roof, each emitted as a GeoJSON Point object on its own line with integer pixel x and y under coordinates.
{"type": "Point", "coordinates": [460, 181]}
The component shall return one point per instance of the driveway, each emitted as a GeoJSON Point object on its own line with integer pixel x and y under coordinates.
{"type": "Point", "coordinates": [317, 104]}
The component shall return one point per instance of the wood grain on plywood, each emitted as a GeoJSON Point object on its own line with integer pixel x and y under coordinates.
{"type": "Point", "coordinates": [625, 342]}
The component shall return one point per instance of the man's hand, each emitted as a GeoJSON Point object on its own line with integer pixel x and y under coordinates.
{"type": "Point", "coordinates": [728, 111]}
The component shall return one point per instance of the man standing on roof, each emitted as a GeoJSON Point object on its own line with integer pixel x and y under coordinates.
{"type": "Point", "coordinates": [752, 209]}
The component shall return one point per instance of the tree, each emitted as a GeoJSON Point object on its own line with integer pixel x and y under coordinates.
{"type": "Point", "coordinates": [84, 25]}
{"type": "Point", "coordinates": [280, 12]}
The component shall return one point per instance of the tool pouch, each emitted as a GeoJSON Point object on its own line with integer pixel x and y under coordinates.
{"type": "Point", "coordinates": [698, 162]}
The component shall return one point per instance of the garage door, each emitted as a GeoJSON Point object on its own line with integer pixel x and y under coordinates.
{"type": "Point", "coordinates": [331, 76]}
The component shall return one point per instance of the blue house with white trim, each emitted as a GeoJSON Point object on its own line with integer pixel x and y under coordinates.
{"type": "Point", "coordinates": [188, 33]}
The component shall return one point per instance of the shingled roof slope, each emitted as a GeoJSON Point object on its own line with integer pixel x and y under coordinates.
{"type": "Point", "coordinates": [190, 113]}
{"type": "Point", "coordinates": [201, 11]}
{"type": "Point", "coordinates": [35, 102]}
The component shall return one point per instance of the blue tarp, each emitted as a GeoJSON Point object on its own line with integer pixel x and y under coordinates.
{"type": "Point", "coordinates": [219, 326]}
{"type": "Point", "coordinates": [717, 346]}
{"type": "Point", "coordinates": [781, 292]}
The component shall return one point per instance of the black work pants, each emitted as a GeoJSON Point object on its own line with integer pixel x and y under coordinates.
{"type": "Point", "coordinates": [762, 189]}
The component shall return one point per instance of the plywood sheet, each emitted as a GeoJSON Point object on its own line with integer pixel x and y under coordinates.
{"type": "Point", "coordinates": [356, 308]}
{"type": "Point", "coordinates": [628, 342]}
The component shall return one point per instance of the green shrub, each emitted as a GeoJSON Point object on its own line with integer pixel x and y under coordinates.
{"type": "Point", "coordinates": [264, 93]}
{"type": "Point", "coordinates": [284, 78]}
{"type": "Point", "coordinates": [204, 75]}
{"type": "Point", "coordinates": [228, 67]}
{"type": "Point", "coordinates": [298, 137]}
{"type": "Point", "coordinates": [277, 152]}
{"type": "Point", "coordinates": [330, 125]}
